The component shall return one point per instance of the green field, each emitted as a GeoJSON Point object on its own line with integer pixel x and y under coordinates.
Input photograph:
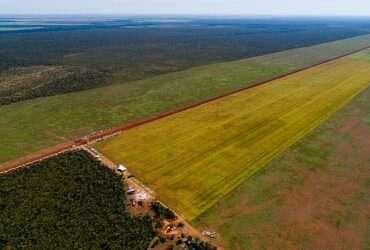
{"type": "Point", "coordinates": [193, 158]}
{"type": "Point", "coordinates": [32, 125]}
{"type": "Point", "coordinates": [313, 196]}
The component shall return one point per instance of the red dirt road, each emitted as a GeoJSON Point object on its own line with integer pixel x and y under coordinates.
{"type": "Point", "coordinates": [48, 152]}
{"type": "Point", "coordinates": [34, 157]}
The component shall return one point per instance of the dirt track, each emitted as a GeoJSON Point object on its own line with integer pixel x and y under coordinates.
{"type": "Point", "coordinates": [34, 157]}
{"type": "Point", "coordinates": [48, 152]}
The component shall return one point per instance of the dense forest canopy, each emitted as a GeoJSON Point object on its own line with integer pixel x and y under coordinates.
{"type": "Point", "coordinates": [69, 201]}
{"type": "Point", "coordinates": [204, 40]}
{"type": "Point", "coordinates": [94, 52]}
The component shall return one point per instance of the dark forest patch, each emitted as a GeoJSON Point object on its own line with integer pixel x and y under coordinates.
{"type": "Point", "coordinates": [70, 201]}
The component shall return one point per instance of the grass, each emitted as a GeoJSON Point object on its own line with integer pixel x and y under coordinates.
{"type": "Point", "coordinates": [194, 158]}
{"type": "Point", "coordinates": [316, 192]}
{"type": "Point", "coordinates": [32, 125]}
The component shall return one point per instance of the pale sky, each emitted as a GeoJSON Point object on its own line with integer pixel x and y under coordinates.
{"type": "Point", "coordinates": [209, 7]}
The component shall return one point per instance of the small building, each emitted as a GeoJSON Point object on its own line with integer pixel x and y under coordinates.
{"type": "Point", "coordinates": [121, 168]}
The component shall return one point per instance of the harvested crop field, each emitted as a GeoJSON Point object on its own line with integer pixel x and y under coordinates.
{"type": "Point", "coordinates": [195, 157]}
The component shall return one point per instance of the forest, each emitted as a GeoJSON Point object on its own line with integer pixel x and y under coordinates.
{"type": "Point", "coordinates": [121, 51]}
{"type": "Point", "coordinates": [69, 201]}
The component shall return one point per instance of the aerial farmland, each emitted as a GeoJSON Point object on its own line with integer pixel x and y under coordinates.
{"type": "Point", "coordinates": [313, 196]}
{"type": "Point", "coordinates": [184, 132]}
{"type": "Point", "coordinates": [194, 158]}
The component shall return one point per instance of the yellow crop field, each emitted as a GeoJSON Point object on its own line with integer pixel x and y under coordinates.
{"type": "Point", "coordinates": [193, 158]}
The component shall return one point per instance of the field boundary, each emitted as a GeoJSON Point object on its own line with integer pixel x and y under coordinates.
{"type": "Point", "coordinates": [103, 134]}
{"type": "Point", "coordinates": [111, 131]}
{"type": "Point", "coordinates": [35, 157]}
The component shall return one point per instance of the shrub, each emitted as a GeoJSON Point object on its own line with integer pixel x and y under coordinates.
{"type": "Point", "coordinates": [162, 212]}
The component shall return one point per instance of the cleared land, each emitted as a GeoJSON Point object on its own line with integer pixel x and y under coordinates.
{"type": "Point", "coordinates": [32, 125]}
{"type": "Point", "coordinates": [194, 158]}
{"type": "Point", "coordinates": [316, 195]}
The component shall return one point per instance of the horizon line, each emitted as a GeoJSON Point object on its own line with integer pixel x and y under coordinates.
{"type": "Point", "coordinates": [184, 15]}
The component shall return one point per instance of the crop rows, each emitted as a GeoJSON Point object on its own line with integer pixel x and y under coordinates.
{"type": "Point", "coordinates": [194, 158]}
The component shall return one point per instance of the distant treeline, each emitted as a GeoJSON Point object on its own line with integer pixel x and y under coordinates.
{"type": "Point", "coordinates": [162, 49]}
{"type": "Point", "coordinates": [69, 201]}
{"type": "Point", "coordinates": [142, 52]}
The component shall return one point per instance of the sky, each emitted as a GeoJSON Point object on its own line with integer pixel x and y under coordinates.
{"type": "Point", "coordinates": [195, 7]}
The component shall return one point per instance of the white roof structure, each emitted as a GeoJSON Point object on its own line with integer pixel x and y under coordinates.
{"type": "Point", "coordinates": [121, 168]}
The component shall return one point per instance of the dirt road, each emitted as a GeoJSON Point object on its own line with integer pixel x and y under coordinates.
{"type": "Point", "coordinates": [102, 134]}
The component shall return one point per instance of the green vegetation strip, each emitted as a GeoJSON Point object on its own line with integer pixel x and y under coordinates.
{"type": "Point", "coordinates": [193, 158]}
{"type": "Point", "coordinates": [70, 201]}
{"type": "Point", "coordinates": [32, 125]}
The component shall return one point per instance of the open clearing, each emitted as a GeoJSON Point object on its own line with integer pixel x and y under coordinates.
{"type": "Point", "coordinates": [316, 195]}
{"type": "Point", "coordinates": [193, 158]}
{"type": "Point", "coordinates": [29, 126]}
